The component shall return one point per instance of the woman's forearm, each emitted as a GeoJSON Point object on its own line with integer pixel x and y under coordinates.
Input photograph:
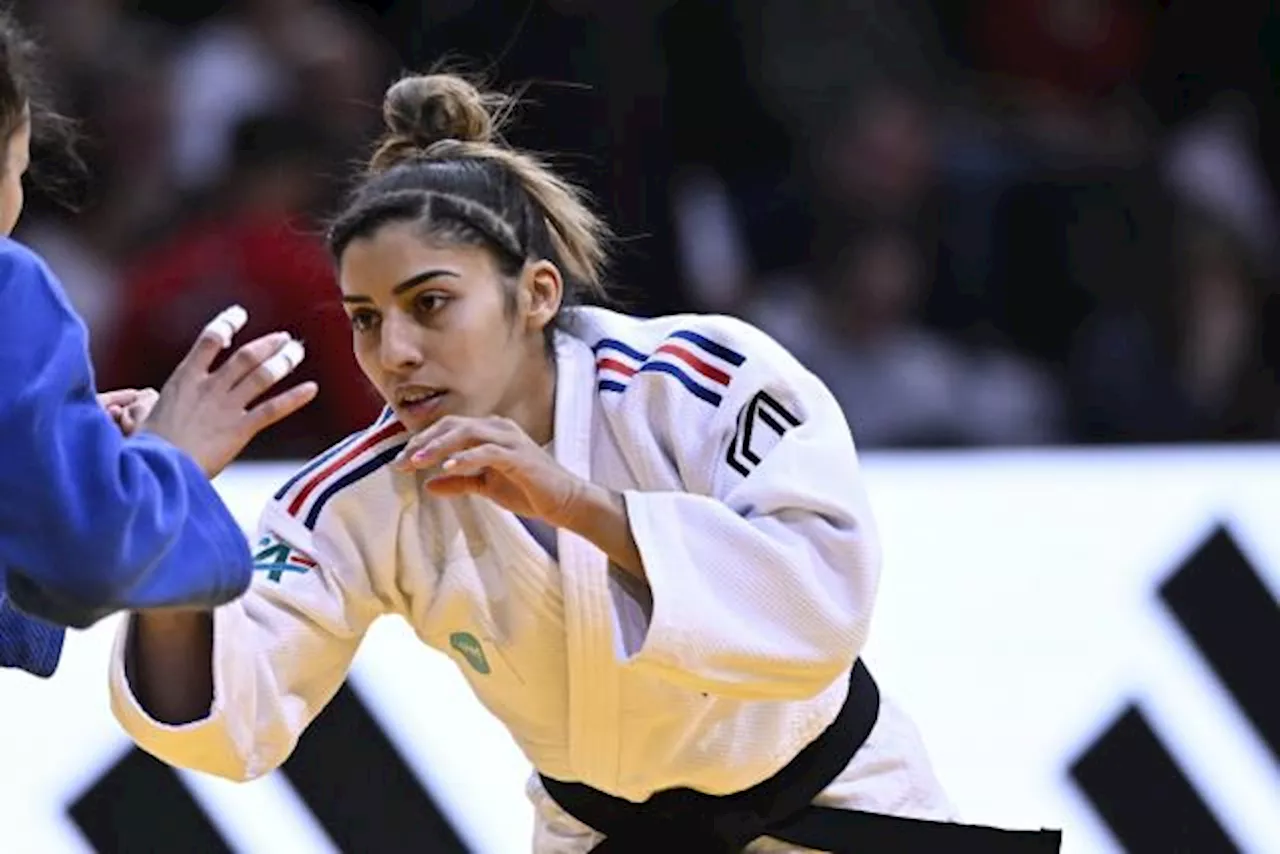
{"type": "Point", "coordinates": [170, 664]}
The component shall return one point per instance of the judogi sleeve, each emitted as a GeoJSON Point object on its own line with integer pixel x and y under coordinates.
{"type": "Point", "coordinates": [764, 573]}
{"type": "Point", "coordinates": [280, 653]}
{"type": "Point", "coordinates": [90, 522]}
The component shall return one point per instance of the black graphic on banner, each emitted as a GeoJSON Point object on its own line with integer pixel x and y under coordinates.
{"type": "Point", "coordinates": [345, 769]}
{"type": "Point", "coordinates": [141, 804]}
{"type": "Point", "coordinates": [1221, 602]}
{"type": "Point", "coordinates": [1234, 620]}
{"type": "Point", "coordinates": [1142, 794]}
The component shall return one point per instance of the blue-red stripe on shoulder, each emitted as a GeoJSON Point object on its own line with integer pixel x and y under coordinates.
{"type": "Point", "coordinates": [358, 473]}
{"type": "Point", "coordinates": [702, 366]}
{"type": "Point", "coordinates": [386, 415]}
{"type": "Point", "coordinates": [351, 460]}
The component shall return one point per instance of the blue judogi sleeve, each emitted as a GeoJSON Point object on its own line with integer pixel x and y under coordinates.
{"type": "Point", "coordinates": [27, 643]}
{"type": "Point", "coordinates": [91, 523]}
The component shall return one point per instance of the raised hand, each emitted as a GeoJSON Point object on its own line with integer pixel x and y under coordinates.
{"type": "Point", "coordinates": [128, 407]}
{"type": "Point", "coordinates": [495, 458]}
{"type": "Point", "coordinates": [209, 413]}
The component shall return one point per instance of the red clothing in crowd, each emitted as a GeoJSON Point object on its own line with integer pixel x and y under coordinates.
{"type": "Point", "coordinates": [1075, 48]}
{"type": "Point", "coordinates": [283, 277]}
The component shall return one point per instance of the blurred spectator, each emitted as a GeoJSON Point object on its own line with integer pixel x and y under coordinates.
{"type": "Point", "coordinates": [716, 263]}
{"type": "Point", "coordinates": [131, 194]}
{"type": "Point", "coordinates": [878, 163]}
{"type": "Point", "coordinates": [900, 383]}
{"type": "Point", "coordinates": [262, 55]}
{"type": "Point", "coordinates": [1044, 175]}
{"type": "Point", "coordinates": [831, 53]}
{"type": "Point", "coordinates": [255, 246]}
{"type": "Point", "coordinates": [1061, 63]}
{"type": "Point", "coordinates": [1212, 162]}
{"type": "Point", "coordinates": [1194, 361]}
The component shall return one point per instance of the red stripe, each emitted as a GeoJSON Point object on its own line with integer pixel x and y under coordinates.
{"type": "Point", "coordinates": [607, 364]}
{"type": "Point", "coordinates": [359, 448]}
{"type": "Point", "coordinates": [302, 560]}
{"type": "Point", "coordinates": [711, 372]}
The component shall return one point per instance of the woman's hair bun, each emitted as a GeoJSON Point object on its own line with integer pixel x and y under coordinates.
{"type": "Point", "coordinates": [427, 108]}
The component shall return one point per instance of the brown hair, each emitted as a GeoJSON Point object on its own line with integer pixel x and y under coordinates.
{"type": "Point", "coordinates": [442, 163]}
{"type": "Point", "coordinates": [22, 93]}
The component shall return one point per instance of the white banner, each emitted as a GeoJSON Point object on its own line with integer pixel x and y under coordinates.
{"type": "Point", "coordinates": [1020, 614]}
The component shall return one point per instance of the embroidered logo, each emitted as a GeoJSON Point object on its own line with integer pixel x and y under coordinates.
{"type": "Point", "coordinates": [469, 648]}
{"type": "Point", "coordinates": [761, 424]}
{"type": "Point", "coordinates": [275, 557]}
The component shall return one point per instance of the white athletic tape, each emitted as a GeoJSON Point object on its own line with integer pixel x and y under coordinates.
{"type": "Point", "coordinates": [225, 326]}
{"type": "Point", "coordinates": [285, 360]}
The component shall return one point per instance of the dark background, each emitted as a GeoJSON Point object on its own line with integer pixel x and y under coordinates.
{"type": "Point", "coordinates": [996, 222]}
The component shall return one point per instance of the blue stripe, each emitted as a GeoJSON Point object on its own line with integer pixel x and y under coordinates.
{"type": "Point", "coordinates": [317, 462]}
{"type": "Point", "coordinates": [614, 344]}
{"type": "Point", "coordinates": [349, 478]}
{"type": "Point", "coordinates": [611, 385]}
{"type": "Point", "coordinates": [718, 350]}
{"type": "Point", "coordinates": [665, 368]}
{"type": "Point", "coordinates": [387, 412]}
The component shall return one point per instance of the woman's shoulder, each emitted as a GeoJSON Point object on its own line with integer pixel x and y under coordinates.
{"type": "Point", "coordinates": [688, 377]}
{"type": "Point", "coordinates": [729, 341]}
{"type": "Point", "coordinates": [343, 469]}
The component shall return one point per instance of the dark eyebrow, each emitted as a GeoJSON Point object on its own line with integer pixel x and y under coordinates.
{"type": "Point", "coordinates": [407, 284]}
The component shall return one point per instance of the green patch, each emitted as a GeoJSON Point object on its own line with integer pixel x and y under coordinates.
{"type": "Point", "coordinates": [276, 557]}
{"type": "Point", "coordinates": [469, 648]}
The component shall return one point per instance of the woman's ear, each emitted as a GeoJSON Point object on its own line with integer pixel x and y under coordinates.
{"type": "Point", "coordinates": [544, 293]}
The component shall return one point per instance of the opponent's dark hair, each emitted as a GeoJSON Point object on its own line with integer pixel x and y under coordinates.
{"type": "Point", "coordinates": [23, 94]}
{"type": "Point", "coordinates": [442, 165]}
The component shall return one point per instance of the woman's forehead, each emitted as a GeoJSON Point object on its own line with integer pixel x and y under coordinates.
{"type": "Point", "coordinates": [396, 253]}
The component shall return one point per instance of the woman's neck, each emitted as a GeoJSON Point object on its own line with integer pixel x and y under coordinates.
{"type": "Point", "coordinates": [533, 402]}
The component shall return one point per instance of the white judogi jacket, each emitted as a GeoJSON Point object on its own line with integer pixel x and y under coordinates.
{"type": "Point", "coordinates": [745, 500]}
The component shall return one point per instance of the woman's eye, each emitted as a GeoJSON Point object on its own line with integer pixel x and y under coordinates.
{"type": "Point", "coordinates": [363, 321]}
{"type": "Point", "coordinates": [429, 303]}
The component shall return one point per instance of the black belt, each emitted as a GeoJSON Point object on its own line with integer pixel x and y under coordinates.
{"type": "Point", "coordinates": [782, 806]}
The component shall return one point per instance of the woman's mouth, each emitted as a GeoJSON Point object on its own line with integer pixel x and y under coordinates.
{"type": "Point", "coordinates": [420, 403]}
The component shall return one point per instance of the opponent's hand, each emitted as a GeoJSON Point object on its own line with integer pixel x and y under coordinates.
{"type": "Point", "coordinates": [207, 412]}
{"type": "Point", "coordinates": [495, 458]}
{"type": "Point", "coordinates": [128, 407]}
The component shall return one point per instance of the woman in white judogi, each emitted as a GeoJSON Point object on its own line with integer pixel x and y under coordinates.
{"type": "Point", "coordinates": [644, 542]}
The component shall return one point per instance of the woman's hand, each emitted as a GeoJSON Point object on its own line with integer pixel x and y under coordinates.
{"type": "Point", "coordinates": [492, 457]}
{"type": "Point", "coordinates": [207, 412]}
{"type": "Point", "coordinates": [128, 407]}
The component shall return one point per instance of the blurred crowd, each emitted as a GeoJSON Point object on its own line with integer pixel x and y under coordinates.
{"type": "Point", "coordinates": [988, 222]}
{"type": "Point", "coordinates": [212, 149]}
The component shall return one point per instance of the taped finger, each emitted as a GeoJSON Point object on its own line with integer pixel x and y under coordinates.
{"type": "Point", "coordinates": [225, 326]}
{"type": "Point", "coordinates": [285, 360]}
